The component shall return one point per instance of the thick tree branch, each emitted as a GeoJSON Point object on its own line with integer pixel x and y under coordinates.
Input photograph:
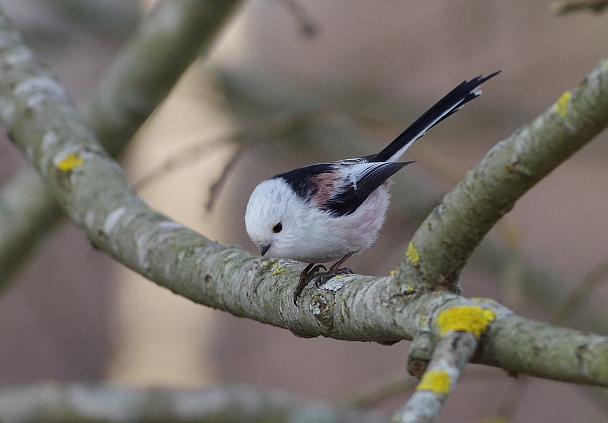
{"type": "Point", "coordinates": [166, 43]}
{"type": "Point", "coordinates": [445, 240]}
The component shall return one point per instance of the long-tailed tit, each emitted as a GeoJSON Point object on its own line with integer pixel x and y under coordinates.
{"type": "Point", "coordinates": [330, 211]}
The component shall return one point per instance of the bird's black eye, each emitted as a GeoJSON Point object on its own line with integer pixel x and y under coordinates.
{"type": "Point", "coordinates": [277, 227]}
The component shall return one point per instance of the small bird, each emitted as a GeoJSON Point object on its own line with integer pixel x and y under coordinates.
{"type": "Point", "coordinates": [330, 211]}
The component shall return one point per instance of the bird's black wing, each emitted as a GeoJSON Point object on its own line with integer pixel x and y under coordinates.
{"type": "Point", "coordinates": [357, 184]}
{"type": "Point", "coordinates": [302, 180]}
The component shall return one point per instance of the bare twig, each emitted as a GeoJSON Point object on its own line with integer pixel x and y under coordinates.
{"type": "Point", "coordinates": [215, 189]}
{"type": "Point", "coordinates": [309, 28]}
{"type": "Point", "coordinates": [380, 390]}
{"type": "Point", "coordinates": [581, 292]}
{"type": "Point", "coordinates": [180, 159]}
{"type": "Point", "coordinates": [190, 155]}
{"type": "Point", "coordinates": [564, 7]}
{"type": "Point", "coordinates": [513, 399]}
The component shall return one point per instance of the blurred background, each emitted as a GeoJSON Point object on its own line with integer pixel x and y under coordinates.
{"type": "Point", "coordinates": [294, 83]}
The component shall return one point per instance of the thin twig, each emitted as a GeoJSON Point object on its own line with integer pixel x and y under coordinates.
{"type": "Point", "coordinates": [215, 189]}
{"type": "Point", "coordinates": [309, 28]}
{"type": "Point", "coordinates": [278, 126]}
{"type": "Point", "coordinates": [513, 399]}
{"type": "Point", "coordinates": [182, 158]}
{"type": "Point", "coordinates": [564, 7]}
{"type": "Point", "coordinates": [582, 292]}
{"type": "Point", "coordinates": [380, 390]}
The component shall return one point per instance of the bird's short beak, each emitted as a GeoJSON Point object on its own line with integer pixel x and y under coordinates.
{"type": "Point", "coordinates": [264, 249]}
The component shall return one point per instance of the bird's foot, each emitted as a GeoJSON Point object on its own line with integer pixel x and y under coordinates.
{"type": "Point", "coordinates": [311, 271]}
{"type": "Point", "coordinates": [322, 278]}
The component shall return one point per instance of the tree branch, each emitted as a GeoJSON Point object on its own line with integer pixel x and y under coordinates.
{"type": "Point", "coordinates": [27, 212]}
{"type": "Point", "coordinates": [167, 42]}
{"type": "Point", "coordinates": [134, 86]}
{"type": "Point", "coordinates": [451, 354]}
{"type": "Point", "coordinates": [107, 404]}
{"type": "Point", "coordinates": [569, 6]}
{"type": "Point", "coordinates": [445, 240]}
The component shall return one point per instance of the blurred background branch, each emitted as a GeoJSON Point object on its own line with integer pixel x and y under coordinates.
{"type": "Point", "coordinates": [133, 87]}
{"type": "Point", "coordinates": [563, 7]}
{"type": "Point", "coordinates": [75, 402]}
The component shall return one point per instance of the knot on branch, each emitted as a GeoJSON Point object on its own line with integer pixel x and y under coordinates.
{"type": "Point", "coordinates": [323, 308]}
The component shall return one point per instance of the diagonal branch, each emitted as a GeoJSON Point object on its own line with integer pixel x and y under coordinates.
{"type": "Point", "coordinates": [451, 355]}
{"type": "Point", "coordinates": [445, 240]}
{"type": "Point", "coordinates": [139, 80]}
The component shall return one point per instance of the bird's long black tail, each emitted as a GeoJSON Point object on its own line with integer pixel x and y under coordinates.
{"type": "Point", "coordinates": [450, 103]}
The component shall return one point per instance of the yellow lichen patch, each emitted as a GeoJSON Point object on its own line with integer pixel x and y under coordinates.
{"type": "Point", "coordinates": [392, 273]}
{"type": "Point", "coordinates": [473, 319]}
{"type": "Point", "coordinates": [277, 269]}
{"type": "Point", "coordinates": [437, 381]}
{"type": "Point", "coordinates": [412, 253]}
{"type": "Point", "coordinates": [561, 106]}
{"type": "Point", "coordinates": [70, 161]}
{"type": "Point", "coordinates": [409, 289]}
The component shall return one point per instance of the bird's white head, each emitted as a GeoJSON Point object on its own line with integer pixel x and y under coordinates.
{"type": "Point", "coordinates": [273, 218]}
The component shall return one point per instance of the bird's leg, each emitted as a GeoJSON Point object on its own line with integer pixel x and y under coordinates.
{"type": "Point", "coordinates": [309, 272]}
{"type": "Point", "coordinates": [334, 270]}
{"type": "Point", "coordinates": [312, 271]}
